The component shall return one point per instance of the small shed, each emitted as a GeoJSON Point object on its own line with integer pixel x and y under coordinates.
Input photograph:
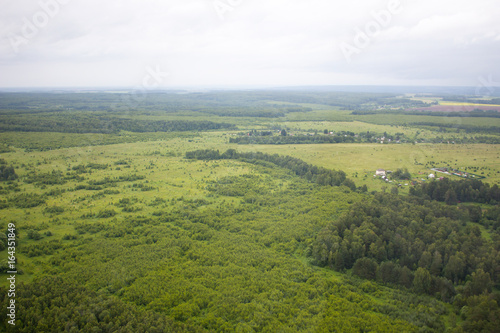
{"type": "Point", "coordinates": [380, 172]}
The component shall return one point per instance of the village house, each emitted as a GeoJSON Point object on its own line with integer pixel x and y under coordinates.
{"type": "Point", "coordinates": [380, 172]}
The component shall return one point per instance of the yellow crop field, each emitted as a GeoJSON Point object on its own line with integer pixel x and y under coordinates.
{"type": "Point", "coordinates": [465, 104]}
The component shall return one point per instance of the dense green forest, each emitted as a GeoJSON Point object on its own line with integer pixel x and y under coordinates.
{"type": "Point", "coordinates": [452, 192]}
{"type": "Point", "coordinates": [422, 246]}
{"type": "Point", "coordinates": [222, 212]}
{"type": "Point", "coordinates": [415, 243]}
{"type": "Point", "coordinates": [218, 102]}
{"type": "Point", "coordinates": [70, 123]}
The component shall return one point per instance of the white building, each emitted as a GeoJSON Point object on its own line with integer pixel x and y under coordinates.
{"type": "Point", "coordinates": [380, 172]}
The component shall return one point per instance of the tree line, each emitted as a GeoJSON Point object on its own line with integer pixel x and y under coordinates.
{"type": "Point", "coordinates": [296, 139]}
{"type": "Point", "coordinates": [454, 191]}
{"type": "Point", "coordinates": [465, 127]}
{"type": "Point", "coordinates": [78, 123]}
{"type": "Point", "coordinates": [321, 176]}
{"type": "Point", "coordinates": [471, 99]}
{"type": "Point", "coordinates": [472, 114]}
{"type": "Point", "coordinates": [338, 137]}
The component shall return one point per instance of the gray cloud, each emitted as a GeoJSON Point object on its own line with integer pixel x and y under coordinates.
{"type": "Point", "coordinates": [277, 42]}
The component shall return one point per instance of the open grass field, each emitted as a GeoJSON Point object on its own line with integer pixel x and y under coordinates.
{"type": "Point", "coordinates": [361, 160]}
{"type": "Point", "coordinates": [413, 121]}
{"type": "Point", "coordinates": [352, 126]}
{"type": "Point", "coordinates": [398, 119]}
{"type": "Point", "coordinates": [357, 160]}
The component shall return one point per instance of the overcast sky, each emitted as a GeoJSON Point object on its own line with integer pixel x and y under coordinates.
{"type": "Point", "coordinates": [90, 43]}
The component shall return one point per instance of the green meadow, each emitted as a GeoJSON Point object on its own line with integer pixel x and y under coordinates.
{"type": "Point", "coordinates": [121, 231]}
